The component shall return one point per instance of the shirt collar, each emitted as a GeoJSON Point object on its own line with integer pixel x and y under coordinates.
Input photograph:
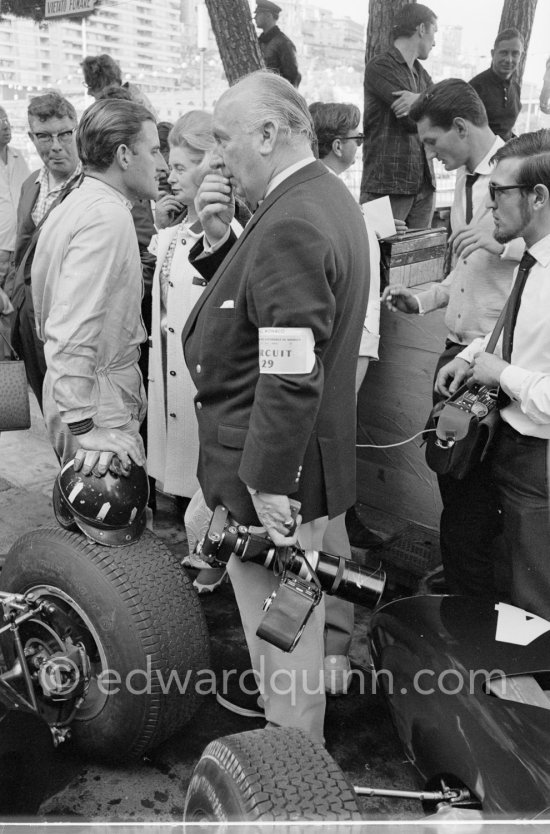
{"type": "Point", "coordinates": [504, 81]}
{"type": "Point", "coordinates": [94, 182]}
{"type": "Point", "coordinates": [485, 167]}
{"type": "Point", "coordinates": [43, 175]}
{"type": "Point", "coordinates": [286, 173]}
{"type": "Point", "coordinates": [541, 251]}
{"type": "Point", "coordinates": [398, 55]}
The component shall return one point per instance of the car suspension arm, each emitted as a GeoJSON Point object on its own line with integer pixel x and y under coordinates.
{"type": "Point", "coordinates": [447, 795]}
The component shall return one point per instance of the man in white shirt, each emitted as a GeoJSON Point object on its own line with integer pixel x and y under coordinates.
{"type": "Point", "coordinates": [453, 126]}
{"type": "Point", "coordinates": [520, 204]}
{"type": "Point", "coordinates": [337, 139]}
{"type": "Point", "coordinates": [87, 288]}
{"type": "Point", "coordinates": [13, 172]}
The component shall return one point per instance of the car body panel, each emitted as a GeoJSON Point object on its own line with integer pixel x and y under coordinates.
{"type": "Point", "coordinates": [433, 656]}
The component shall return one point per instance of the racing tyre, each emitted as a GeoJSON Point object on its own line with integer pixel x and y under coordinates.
{"type": "Point", "coordinates": [277, 774]}
{"type": "Point", "coordinates": [135, 612]}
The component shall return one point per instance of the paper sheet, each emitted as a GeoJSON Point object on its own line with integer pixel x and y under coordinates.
{"type": "Point", "coordinates": [379, 215]}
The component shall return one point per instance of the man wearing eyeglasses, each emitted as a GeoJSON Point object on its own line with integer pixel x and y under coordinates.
{"type": "Point", "coordinates": [52, 128]}
{"type": "Point", "coordinates": [520, 366]}
{"type": "Point", "coordinates": [452, 124]}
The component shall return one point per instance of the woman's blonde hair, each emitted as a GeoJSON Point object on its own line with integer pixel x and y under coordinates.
{"type": "Point", "coordinates": [193, 131]}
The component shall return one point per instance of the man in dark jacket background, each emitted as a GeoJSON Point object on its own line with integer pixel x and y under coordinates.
{"type": "Point", "coordinates": [279, 52]}
{"type": "Point", "coordinates": [498, 87]}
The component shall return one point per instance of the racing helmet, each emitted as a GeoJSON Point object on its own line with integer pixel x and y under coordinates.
{"type": "Point", "coordinates": [109, 509]}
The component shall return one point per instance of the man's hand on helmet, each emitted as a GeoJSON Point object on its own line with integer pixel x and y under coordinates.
{"type": "Point", "coordinates": [103, 449]}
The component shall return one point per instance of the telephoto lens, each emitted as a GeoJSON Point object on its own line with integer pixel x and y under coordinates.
{"type": "Point", "coordinates": [337, 576]}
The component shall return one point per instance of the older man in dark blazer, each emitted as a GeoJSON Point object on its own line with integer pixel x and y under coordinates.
{"type": "Point", "coordinates": [272, 347]}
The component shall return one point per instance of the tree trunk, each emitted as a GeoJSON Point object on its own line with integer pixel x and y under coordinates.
{"type": "Point", "coordinates": [236, 37]}
{"type": "Point", "coordinates": [519, 14]}
{"type": "Point", "coordinates": [379, 27]}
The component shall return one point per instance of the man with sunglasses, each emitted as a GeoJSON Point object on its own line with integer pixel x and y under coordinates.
{"type": "Point", "coordinates": [453, 126]}
{"type": "Point", "coordinates": [52, 129]}
{"type": "Point", "coordinates": [337, 140]}
{"type": "Point", "coordinates": [519, 202]}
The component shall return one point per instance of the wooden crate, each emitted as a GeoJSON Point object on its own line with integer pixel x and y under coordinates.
{"type": "Point", "coordinates": [417, 258]}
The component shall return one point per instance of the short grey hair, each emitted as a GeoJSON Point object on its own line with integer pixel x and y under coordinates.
{"type": "Point", "coordinates": [272, 98]}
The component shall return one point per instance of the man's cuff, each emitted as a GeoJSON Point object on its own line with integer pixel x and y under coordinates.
{"type": "Point", "coordinates": [81, 426]}
{"type": "Point", "coordinates": [369, 344]}
{"type": "Point", "coordinates": [208, 249]}
{"type": "Point", "coordinates": [421, 310]}
{"type": "Point", "coordinates": [512, 380]}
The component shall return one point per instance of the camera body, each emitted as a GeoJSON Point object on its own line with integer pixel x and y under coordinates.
{"type": "Point", "coordinates": [305, 575]}
{"type": "Point", "coordinates": [287, 611]}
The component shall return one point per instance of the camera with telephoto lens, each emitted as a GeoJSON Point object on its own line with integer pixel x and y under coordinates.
{"type": "Point", "coordinates": [304, 576]}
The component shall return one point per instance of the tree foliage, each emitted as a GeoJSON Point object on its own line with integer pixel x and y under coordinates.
{"type": "Point", "coordinates": [519, 14]}
{"type": "Point", "coordinates": [32, 9]}
{"type": "Point", "coordinates": [236, 37]}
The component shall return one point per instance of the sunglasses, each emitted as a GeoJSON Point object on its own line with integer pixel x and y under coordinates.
{"type": "Point", "coordinates": [496, 189]}
{"type": "Point", "coordinates": [358, 139]}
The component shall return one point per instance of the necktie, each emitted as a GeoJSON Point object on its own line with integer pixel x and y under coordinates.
{"type": "Point", "coordinates": [513, 305]}
{"type": "Point", "coordinates": [470, 179]}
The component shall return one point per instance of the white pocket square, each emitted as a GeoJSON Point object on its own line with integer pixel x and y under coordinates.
{"type": "Point", "coordinates": [229, 303]}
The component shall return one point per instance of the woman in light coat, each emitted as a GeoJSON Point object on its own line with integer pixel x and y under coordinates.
{"type": "Point", "coordinates": [172, 436]}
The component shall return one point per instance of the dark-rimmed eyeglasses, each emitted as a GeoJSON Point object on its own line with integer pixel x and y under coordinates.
{"type": "Point", "coordinates": [358, 138]}
{"type": "Point", "coordinates": [496, 189]}
{"type": "Point", "coordinates": [46, 139]}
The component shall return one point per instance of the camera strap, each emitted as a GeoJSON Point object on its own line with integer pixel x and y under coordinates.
{"type": "Point", "coordinates": [338, 577]}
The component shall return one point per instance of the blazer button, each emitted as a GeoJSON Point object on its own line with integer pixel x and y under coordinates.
{"type": "Point", "coordinates": [172, 373]}
{"type": "Point", "coordinates": [170, 329]}
{"type": "Point", "coordinates": [183, 242]}
{"type": "Point", "coordinates": [172, 414]}
{"type": "Point", "coordinates": [199, 406]}
{"type": "Point", "coordinates": [198, 369]}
